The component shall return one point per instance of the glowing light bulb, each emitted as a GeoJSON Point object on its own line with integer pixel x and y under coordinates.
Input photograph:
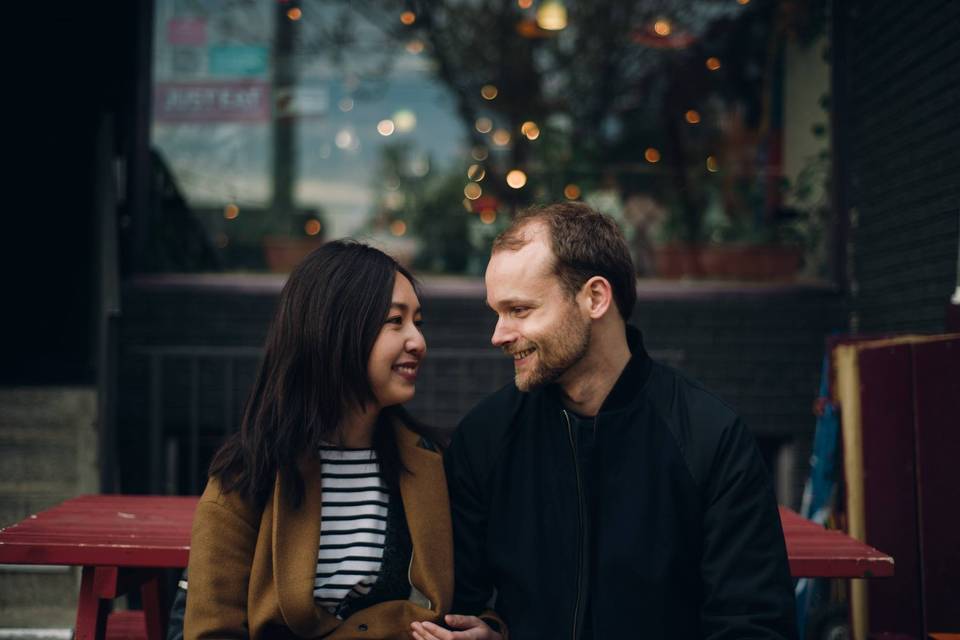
{"type": "Point", "coordinates": [516, 179]}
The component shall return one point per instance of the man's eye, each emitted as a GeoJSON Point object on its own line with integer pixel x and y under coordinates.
{"type": "Point", "coordinates": [519, 310]}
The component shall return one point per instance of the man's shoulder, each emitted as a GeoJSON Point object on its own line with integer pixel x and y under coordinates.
{"type": "Point", "coordinates": [697, 418]}
{"type": "Point", "coordinates": [677, 396]}
{"type": "Point", "coordinates": [493, 414]}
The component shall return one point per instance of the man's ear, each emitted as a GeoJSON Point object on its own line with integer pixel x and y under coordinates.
{"type": "Point", "coordinates": [597, 296]}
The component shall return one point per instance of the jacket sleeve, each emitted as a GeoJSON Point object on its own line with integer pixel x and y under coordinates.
{"type": "Point", "coordinates": [221, 555]}
{"type": "Point", "coordinates": [747, 586]}
{"type": "Point", "coordinates": [468, 509]}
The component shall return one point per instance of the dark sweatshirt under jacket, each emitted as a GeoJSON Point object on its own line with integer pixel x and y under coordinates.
{"type": "Point", "coordinates": [682, 539]}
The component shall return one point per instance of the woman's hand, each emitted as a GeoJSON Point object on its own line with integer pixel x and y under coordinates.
{"type": "Point", "coordinates": [468, 628]}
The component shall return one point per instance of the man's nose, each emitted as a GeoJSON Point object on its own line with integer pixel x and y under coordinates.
{"type": "Point", "coordinates": [503, 333]}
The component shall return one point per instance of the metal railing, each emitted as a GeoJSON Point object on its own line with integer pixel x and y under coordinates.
{"type": "Point", "coordinates": [451, 381]}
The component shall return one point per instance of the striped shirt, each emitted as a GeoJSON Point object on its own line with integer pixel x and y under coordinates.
{"type": "Point", "coordinates": [352, 528]}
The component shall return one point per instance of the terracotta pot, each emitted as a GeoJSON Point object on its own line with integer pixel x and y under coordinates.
{"type": "Point", "coordinates": [678, 261]}
{"type": "Point", "coordinates": [282, 254]}
{"type": "Point", "coordinates": [729, 262]}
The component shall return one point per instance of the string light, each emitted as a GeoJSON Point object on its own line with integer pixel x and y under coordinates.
{"type": "Point", "coordinates": [551, 15]}
{"type": "Point", "coordinates": [386, 127]}
{"type": "Point", "coordinates": [571, 192]}
{"type": "Point", "coordinates": [231, 211]}
{"type": "Point", "coordinates": [472, 191]}
{"type": "Point", "coordinates": [692, 116]}
{"type": "Point", "coordinates": [408, 17]}
{"type": "Point", "coordinates": [662, 27]}
{"type": "Point", "coordinates": [476, 172]}
{"type": "Point", "coordinates": [294, 13]}
{"type": "Point", "coordinates": [524, 4]}
{"type": "Point", "coordinates": [652, 155]}
{"type": "Point", "coordinates": [516, 179]}
{"type": "Point", "coordinates": [484, 125]}
{"type": "Point", "coordinates": [530, 130]}
{"type": "Point", "coordinates": [712, 165]}
{"type": "Point", "coordinates": [489, 92]}
{"type": "Point", "coordinates": [312, 227]}
{"type": "Point", "coordinates": [414, 47]}
{"type": "Point", "coordinates": [488, 216]}
{"type": "Point", "coordinates": [501, 137]}
{"type": "Point", "coordinates": [479, 153]}
{"type": "Point", "coordinates": [713, 63]}
{"type": "Point", "coordinates": [398, 227]}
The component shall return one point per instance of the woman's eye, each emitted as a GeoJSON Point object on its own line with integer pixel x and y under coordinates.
{"type": "Point", "coordinates": [418, 322]}
{"type": "Point", "coordinates": [394, 320]}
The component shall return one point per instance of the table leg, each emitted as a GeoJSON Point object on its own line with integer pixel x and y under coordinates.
{"type": "Point", "coordinates": [154, 606]}
{"type": "Point", "coordinates": [91, 609]}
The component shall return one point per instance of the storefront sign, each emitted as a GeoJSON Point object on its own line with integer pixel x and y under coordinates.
{"type": "Point", "coordinates": [211, 102]}
{"type": "Point", "coordinates": [238, 60]}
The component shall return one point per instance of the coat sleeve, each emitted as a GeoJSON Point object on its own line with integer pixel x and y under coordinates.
{"type": "Point", "coordinates": [221, 555]}
{"type": "Point", "coordinates": [748, 592]}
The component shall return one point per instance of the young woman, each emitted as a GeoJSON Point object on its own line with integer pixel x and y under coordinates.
{"type": "Point", "coordinates": [327, 514]}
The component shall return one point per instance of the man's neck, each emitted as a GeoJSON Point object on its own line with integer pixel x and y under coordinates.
{"type": "Point", "coordinates": [588, 383]}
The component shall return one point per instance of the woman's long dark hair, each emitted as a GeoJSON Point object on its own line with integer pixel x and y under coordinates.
{"type": "Point", "coordinates": [314, 369]}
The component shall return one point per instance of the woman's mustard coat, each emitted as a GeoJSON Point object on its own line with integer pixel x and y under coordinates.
{"type": "Point", "coordinates": [252, 572]}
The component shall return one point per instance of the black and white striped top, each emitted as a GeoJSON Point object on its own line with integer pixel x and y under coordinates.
{"type": "Point", "coordinates": [353, 525]}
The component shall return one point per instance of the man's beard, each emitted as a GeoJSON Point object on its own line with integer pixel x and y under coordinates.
{"type": "Point", "coordinates": [557, 354]}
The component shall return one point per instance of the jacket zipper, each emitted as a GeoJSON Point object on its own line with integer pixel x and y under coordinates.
{"type": "Point", "coordinates": [576, 467]}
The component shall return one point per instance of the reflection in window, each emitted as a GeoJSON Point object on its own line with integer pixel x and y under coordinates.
{"type": "Point", "coordinates": [700, 125]}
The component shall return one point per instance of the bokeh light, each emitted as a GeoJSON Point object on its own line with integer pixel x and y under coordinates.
{"type": "Point", "coordinates": [713, 63]}
{"type": "Point", "coordinates": [501, 137]}
{"type": "Point", "coordinates": [386, 127]}
{"type": "Point", "coordinates": [476, 172]}
{"type": "Point", "coordinates": [530, 130]}
{"type": "Point", "coordinates": [692, 116]}
{"type": "Point", "coordinates": [479, 153]}
{"type": "Point", "coordinates": [472, 191]}
{"type": "Point", "coordinates": [651, 155]}
{"type": "Point", "coordinates": [408, 18]}
{"type": "Point", "coordinates": [489, 92]}
{"type": "Point", "coordinates": [662, 27]}
{"type": "Point", "coordinates": [294, 13]}
{"type": "Point", "coordinates": [398, 227]}
{"type": "Point", "coordinates": [405, 120]}
{"type": "Point", "coordinates": [484, 125]}
{"type": "Point", "coordinates": [231, 211]}
{"type": "Point", "coordinates": [415, 47]}
{"type": "Point", "coordinates": [312, 227]}
{"type": "Point", "coordinates": [571, 192]}
{"type": "Point", "coordinates": [712, 165]}
{"type": "Point", "coordinates": [488, 216]}
{"type": "Point", "coordinates": [516, 179]}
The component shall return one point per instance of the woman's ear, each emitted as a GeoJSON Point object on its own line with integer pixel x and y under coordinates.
{"type": "Point", "coordinates": [597, 296]}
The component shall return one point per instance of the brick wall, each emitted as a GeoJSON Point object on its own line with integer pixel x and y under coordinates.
{"type": "Point", "coordinates": [899, 132]}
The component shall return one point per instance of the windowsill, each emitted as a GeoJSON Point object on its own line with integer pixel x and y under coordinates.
{"type": "Point", "coordinates": [472, 286]}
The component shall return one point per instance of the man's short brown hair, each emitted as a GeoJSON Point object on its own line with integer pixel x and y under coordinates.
{"type": "Point", "coordinates": [586, 243]}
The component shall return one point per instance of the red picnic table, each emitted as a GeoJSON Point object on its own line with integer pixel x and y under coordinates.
{"type": "Point", "coordinates": [124, 542]}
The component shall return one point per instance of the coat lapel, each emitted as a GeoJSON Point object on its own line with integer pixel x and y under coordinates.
{"type": "Point", "coordinates": [296, 538]}
{"type": "Point", "coordinates": [425, 501]}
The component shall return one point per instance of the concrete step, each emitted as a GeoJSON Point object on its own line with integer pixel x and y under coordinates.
{"type": "Point", "coordinates": [48, 449]}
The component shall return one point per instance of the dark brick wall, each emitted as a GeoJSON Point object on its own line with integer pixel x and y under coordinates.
{"type": "Point", "coordinates": [759, 348]}
{"type": "Point", "coordinates": [899, 133]}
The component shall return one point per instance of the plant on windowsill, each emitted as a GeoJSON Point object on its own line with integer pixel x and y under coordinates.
{"type": "Point", "coordinates": [291, 238]}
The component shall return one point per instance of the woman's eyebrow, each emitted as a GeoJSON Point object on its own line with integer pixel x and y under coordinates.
{"type": "Point", "coordinates": [403, 306]}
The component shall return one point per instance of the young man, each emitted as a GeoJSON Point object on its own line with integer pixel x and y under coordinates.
{"type": "Point", "coordinates": [601, 494]}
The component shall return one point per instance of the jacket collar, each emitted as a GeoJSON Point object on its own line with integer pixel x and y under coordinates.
{"type": "Point", "coordinates": [296, 536]}
{"type": "Point", "coordinates": [632, 378]}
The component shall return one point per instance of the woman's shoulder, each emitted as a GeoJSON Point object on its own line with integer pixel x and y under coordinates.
{"type": "Point", "coordinates": [215, 500]}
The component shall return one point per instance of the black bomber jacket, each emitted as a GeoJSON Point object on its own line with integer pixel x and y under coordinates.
{"type": "Point", "coordinates": [683, 539]}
